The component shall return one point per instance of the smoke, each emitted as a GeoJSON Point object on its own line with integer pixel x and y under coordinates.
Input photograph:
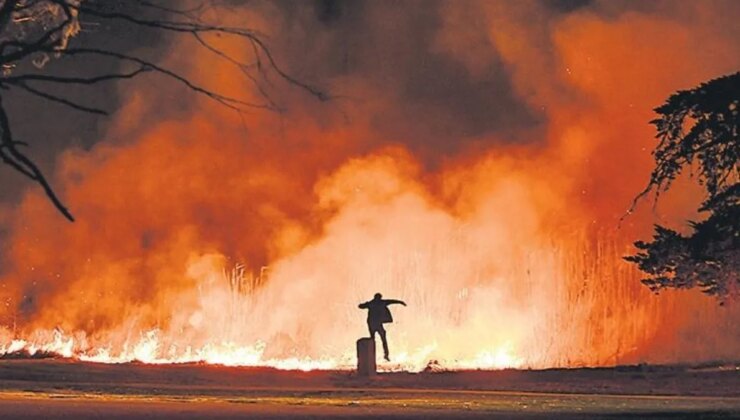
{"type": "Point", "coordinates": [475, 163]}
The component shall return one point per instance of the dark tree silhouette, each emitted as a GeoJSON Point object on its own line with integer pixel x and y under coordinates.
{"type": "Point", "coordinates": [36, 31]}
{"type": "Point", "coordinates": [698, 129]}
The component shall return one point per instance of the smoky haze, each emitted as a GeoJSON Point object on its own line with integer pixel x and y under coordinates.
{"type": "Point", "coordinates": [474, 161]}
{"type": "Point", "coordinates": [395, 49]}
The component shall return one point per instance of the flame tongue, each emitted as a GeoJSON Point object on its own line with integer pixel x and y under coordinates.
{"type": "Point", "coordinates": [149, 350]}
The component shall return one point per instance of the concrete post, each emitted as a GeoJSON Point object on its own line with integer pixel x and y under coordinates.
{"type": "Point", "coordinates": [366, 357]}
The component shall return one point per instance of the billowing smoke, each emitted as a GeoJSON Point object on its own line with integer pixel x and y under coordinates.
{"type": "Point", "coordinates": [475, 162]}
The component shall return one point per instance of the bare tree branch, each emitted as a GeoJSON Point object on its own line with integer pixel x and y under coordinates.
{"type": "Point", "coordinates": [233, 103]}
{"type": "Point", "coordinates": [30, 29]}
{"type": "Point", "coordinates": [187, 13]}
{"type": "Point", "coordinates": [73, 80]}
{"type": "Point", "coordinates": [6, 12]}
{"type": "Point", "coordinates": [60, 100]}
{"type": "Point", "coordinates": [45, 41]}
{"type": "Point", "coordinates": [196, 28]}
{"type": "Point", "coordinates": [13, 157]}
{"type": "Point", "coordinates": [243, 67]}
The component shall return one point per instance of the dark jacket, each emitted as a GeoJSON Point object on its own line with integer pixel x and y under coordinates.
{"type": "Point", "coordinates": [378, 312]}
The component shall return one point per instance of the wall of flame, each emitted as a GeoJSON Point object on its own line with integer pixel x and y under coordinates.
{"type": "Point", "coordinates": [249, 239]}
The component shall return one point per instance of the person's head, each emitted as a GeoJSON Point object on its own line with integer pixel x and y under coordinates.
{"type": "Point", "coordinates": [378, 296]}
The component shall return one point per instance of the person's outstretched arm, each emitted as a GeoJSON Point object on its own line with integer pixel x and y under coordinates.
{"type": "Point", "coordinates": [392, 301]}
{"type": "Point", "coordinates": [363, 305]}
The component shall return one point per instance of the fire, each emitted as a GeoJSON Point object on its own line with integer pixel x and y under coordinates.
{"type": "Point", "coordinates": [53, 342]}
{"type": "Point", "coordinates": [498, 359]}
{"type": "Point", "coordinates": [209, 237]}
{"type": "Point", "coordinates": [148, 349]}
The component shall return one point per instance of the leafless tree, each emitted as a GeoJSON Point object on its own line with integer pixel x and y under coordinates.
{"type": "Point", "coordinates": [36, 31]}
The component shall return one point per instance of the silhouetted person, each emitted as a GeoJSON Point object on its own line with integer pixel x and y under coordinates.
{"type": "Point", "coordinates": [377, 315]}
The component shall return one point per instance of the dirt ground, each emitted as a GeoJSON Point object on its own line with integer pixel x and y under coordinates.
{"type": "Point", "coordinates": [53, 388]}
